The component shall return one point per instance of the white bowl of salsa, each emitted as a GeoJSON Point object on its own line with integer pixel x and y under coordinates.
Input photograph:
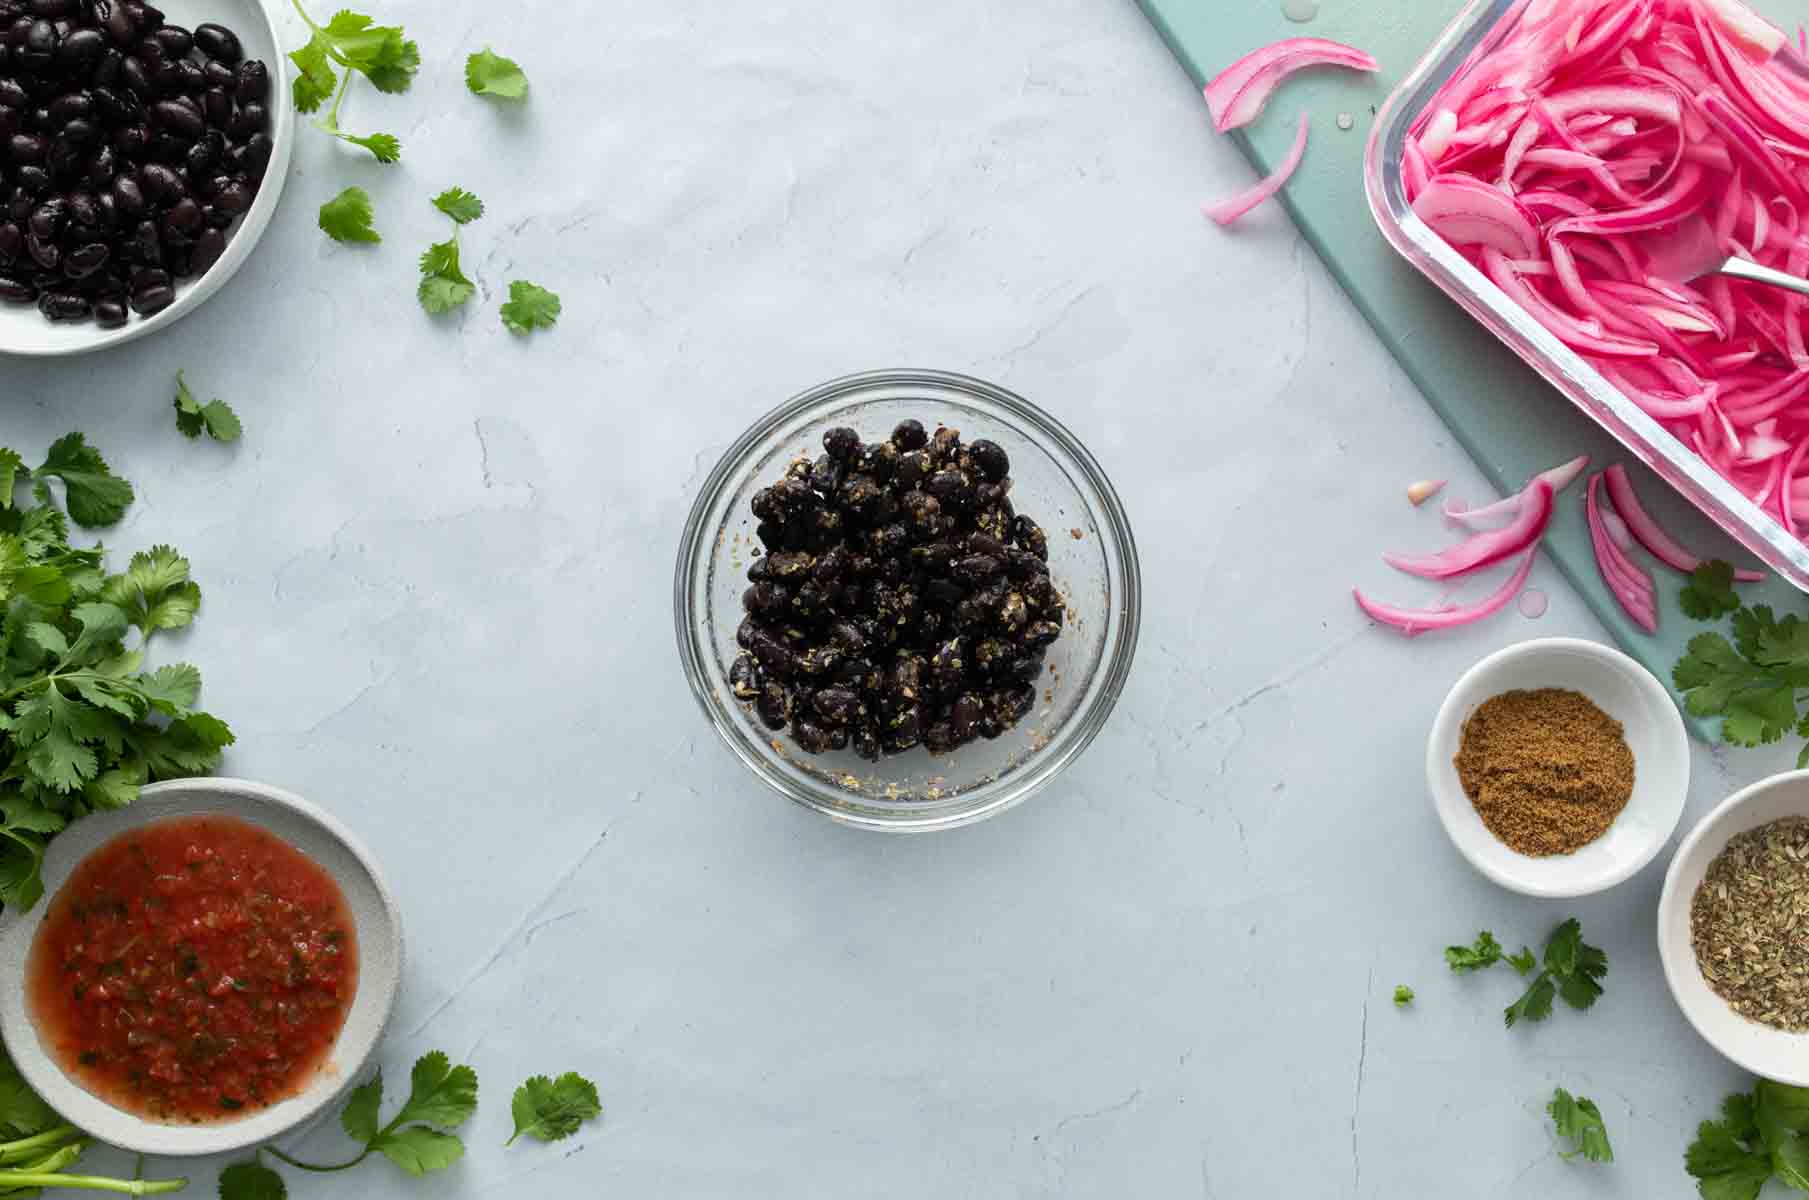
{"type": "Point", "coordinates": [210, 967]}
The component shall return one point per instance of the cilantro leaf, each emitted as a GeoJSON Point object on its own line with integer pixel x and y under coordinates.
{"type": "Point", "coordinates": [460, 205]}
{"type": "Point", "coordinates": [1485, 953]}
{"type": "Point", "coordinates": [1709, 595]}
{"type": "Point", "coordinates": [252, 1181]}
{"type": "Point", "coordinates": [440, 1093]}
{"type": "Point", "coordinates": [443, 285]}
{"type": "Point", "coordinates": [347, 217]}
{"type": "Point", "coordinates": [381, 53]}
{"type": "Point", "coordinates": [552, 1109]}
{"type": "Point", "coordinates": [155, 592]}
{"type": "Point", "coordinates": [384, 147]}
{"type": "Point", "coordinates": [488, 73]}
{"type": "Point", "coordinates": [1578, 1120]}
{"type": "Point", "coordinates": [419, 1149]}
{"type": "Point", "coordinates": [315, 79]}
{"type": "Point", "coordinates": [1403, 996]}
{"type": "Point", "coordinates": [359, 1120]}
{"type": "Point", "coordinates": [12, 469]}
{"type": "Point", "coordinates": [1523, 962]}
{"type": "Point", "coordinates": [1534, 1004]}
{"type": "Point", "coordinates": [94, 494]}
{"type": "Point", "coordinates": [216, 416]}
{"type": "Point", "coordinates": [530, 307]}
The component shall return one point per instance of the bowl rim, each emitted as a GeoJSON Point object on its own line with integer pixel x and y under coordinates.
{"type": "Point", "coordinates": [129, 1131]}
{"type": "Point", "coordinates": [1668, 899]}
{"type": "Point", "coordinates": [245, 238]}
{"type": "Point", "coordinates": [1082, 726]}
{"type": "Point", "coordinates": [1672, 730]}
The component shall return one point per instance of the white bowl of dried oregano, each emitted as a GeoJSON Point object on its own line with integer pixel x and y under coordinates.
{"type": "Point", "coordinates": [1733, 928]}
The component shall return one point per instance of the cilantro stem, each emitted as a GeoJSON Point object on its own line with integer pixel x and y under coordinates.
{"type": "Point", "coordinates": [31, 1147]}
{"type": "Point", "coordinates": [302, 1166]}
{"type": "Point", "coordinates": [330, 122]}
{"type": "Point", "coordinates": [19, 1180]}
{"type": "Point", "coordinates": [303, 14]}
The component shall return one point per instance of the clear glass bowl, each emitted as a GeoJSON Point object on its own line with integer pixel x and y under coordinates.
{"type": "Point", "coordinates": [1092, 559]}
{"type": "Point", "coordinates": [1478, 29]}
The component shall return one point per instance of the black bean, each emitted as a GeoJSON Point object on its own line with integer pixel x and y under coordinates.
{"type": "Point", "coordinates": [86, 260]}
{"type": "Point", "coordinates": [216, 103]}
{"type": "Point", "coordinates": [209, 246]}
{"type": "Point", "coordinates": [152, 300]}
{"type": "Point", "coordinates": [175, 40]}
{"type": "Point", "coordinates": [253, 82]}
{"type": "Point", "coordinates": [34, 179]}
{"type": "Point", "coordinates": [1030, 536]}
{"type": "Point", "coordinates": [909, 434]}
{"type": "Point", "coordinates": [41, 38]}
{"type": "Point", "coordinates": [12, 241]}
{"type": "Point", "coordinates": [217, 41]}
{"type": "Point", "coordinates": [109, 314]}
{"type": "Point", "coordinates": [44, 252]}
{"type": "Point", "coordinates": [993, 463]}
{"type": "Point", "coordinates": [13, 95]}
{"type": "Point", "coordinates": [14, 288]}
{"type": "Point", "coordinates": [249, 119]}
{"type": "Point", "coordinates": [179, 116]}
{"type": "Point", "coordinates": [28, 148]}
{"type": "Point", "coordinates": [842, 443]}
{"type": "Point", "coordinates": [161, 183]}
{"type": "Point", "coordinates": [136, 75]}
{"type": "Point", "coordinates": [82, 48]}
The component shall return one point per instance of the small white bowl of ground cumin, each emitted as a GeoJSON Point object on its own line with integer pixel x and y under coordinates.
{"type": "Point", "coordinates": [1558, 767]}
{"type": "Point", "coordinates": [1733, 928]}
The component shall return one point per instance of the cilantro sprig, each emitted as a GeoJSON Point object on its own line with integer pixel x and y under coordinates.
{"type": "Point", "coordinates": [352, 44]}
{"type": "Point", "coordinates": [1760, 1134]}
{"type": "Point", "coordinates": [1573, 969]}
{"type": "Point", "coordinates": [550, 1110]}
{"type": "Point", "coordinates": [1579, 1120]}
{"type": "Point", "coordinates": [83, 724]}
{"type": "Point", "coordinates": [215, 418]}
{"type": "Point", "coordinates": [441, 1097]}
{"type": "Point", "coordinates": [1752, 682]}
{"type": "Point", "coordinates": [444, 286]}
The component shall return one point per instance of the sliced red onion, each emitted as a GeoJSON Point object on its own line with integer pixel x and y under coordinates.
{"type": "Point", "coordinates": [1650, 534]}
{"type": "Point", "coordinates": [1491, 546]}
{"type": "Point", "coordinates": [1558, 478]}
{"type": "Point", "coordinates": [1629, 584]}
{"type": "Point", "coordinates": [1239, 92]}
{"type": "Point", "coordinates": [1612, 127]}
{"type": "Point", "coordinates": [1227, 211]}
{"type": "Point", "coordinates": [1465, 211]}
{"type": "Point", "coordinates": [1415, 621]}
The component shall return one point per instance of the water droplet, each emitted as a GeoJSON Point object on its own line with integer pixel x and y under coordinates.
{"type": "Point", "coordinates": [1300, 11]}
{"type": "Point", "coordinates": [1346, 121]}
{"type": "Point", "coordinates": [1533, 604]}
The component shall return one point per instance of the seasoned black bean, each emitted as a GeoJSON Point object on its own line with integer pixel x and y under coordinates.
{"type": "Point", "coordinates": [893, 609]}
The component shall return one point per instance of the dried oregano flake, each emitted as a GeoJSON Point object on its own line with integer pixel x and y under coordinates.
{"type": "Point", "coordinates": [1749, 924]}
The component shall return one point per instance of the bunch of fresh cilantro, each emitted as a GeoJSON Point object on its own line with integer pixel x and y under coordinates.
{"type": "Point", "coordinates": [1752, 683]}
{"type": "Point", "coordinates": [1760, 1134]}
{"type": "Point", "coordinates": [83, 723]}
{"type": "Point", "coordinates": [1571, 968]}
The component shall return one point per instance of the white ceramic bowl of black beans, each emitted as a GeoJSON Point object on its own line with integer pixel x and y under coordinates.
{"type": "Point", "coordinates": [143, 150]}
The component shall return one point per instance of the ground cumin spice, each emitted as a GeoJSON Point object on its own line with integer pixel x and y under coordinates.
{"type": "Point", "coordinates": [1547, 770]}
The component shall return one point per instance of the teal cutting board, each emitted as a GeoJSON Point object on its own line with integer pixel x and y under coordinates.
{"type": "Point", "coordinates": [1508, 419]}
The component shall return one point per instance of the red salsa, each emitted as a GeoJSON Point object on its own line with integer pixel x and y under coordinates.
{"type": "Point", "coordinates": [194, 970]}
